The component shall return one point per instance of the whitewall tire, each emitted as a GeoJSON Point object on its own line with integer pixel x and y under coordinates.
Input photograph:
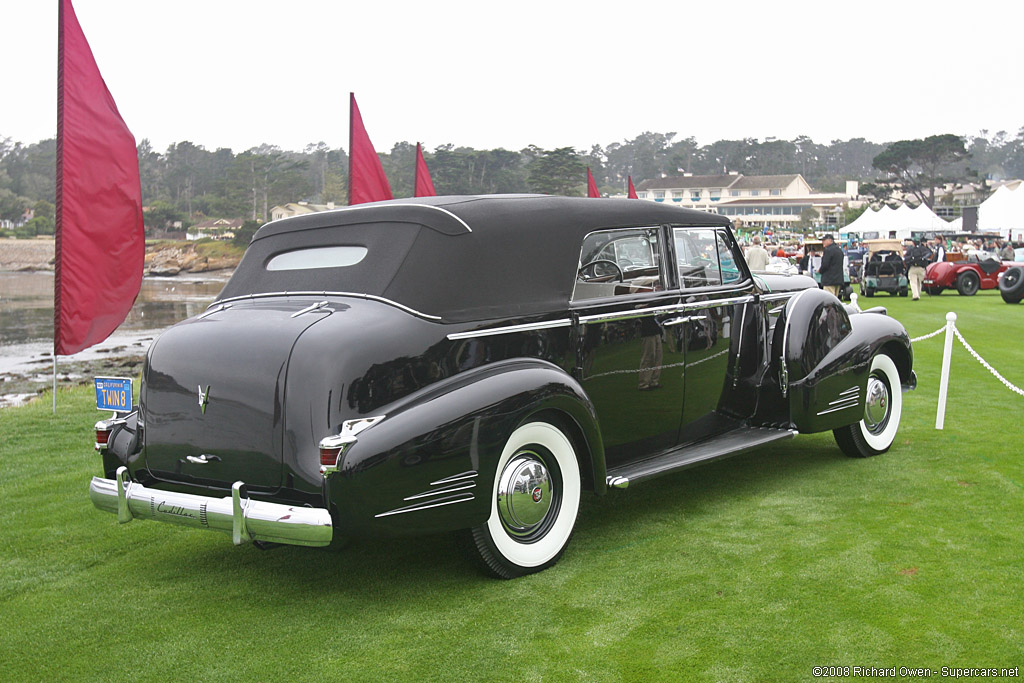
{"type": "Point", "coordinates": [883, 408]}
{"type": "Point", "coordinates": [535, 498]}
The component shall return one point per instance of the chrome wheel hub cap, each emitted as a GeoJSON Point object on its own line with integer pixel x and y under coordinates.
{"type": "Point", "coordinates": [876, 406]}
{"type": "Point", "coordinates": [524, 494]}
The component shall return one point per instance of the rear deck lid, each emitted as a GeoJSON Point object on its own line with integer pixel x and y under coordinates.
{"type": "Point", "coordinates": [214, 392]}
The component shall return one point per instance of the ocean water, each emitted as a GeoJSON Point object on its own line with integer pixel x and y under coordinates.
{"type": "Point", "coordinates": [26, 314]}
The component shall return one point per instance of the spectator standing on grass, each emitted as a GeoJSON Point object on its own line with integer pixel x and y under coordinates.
{"type": "Point", "coordinates": [917, 257]}
{"type": "Point", "coordinates": [940, 250]}
{"type": "Point", "coordinates": [757, 257]}
{"type": "Point", "coordinates": [831, 267]}
{"type": "Point", "coordinates": [1006, 253]}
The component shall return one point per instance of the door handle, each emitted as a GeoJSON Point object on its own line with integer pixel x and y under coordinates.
{"type": "Point", "coordinates": [203, 459]}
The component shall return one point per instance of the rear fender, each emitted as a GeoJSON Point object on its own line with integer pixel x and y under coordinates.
{"type": "Point", "coordinates": [429, 465]}
{"type": "Point", "coordinates": [123, 443]}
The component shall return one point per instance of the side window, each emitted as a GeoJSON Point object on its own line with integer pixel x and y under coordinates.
{"type": "Point", "coordinates": [706, 257]}
{"type": "Point", "coordinates": [730, 257]}
{"type": "Point", "coordinates": [619, 262]}
{"type": "Point", "coordinates": [697, 257]}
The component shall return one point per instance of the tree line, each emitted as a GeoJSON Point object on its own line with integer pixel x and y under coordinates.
{"type": "Point", "coordinates": [187, 182]}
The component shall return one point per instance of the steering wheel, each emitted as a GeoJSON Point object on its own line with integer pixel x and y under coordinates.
{"type": "Point", "coordinates": [613, 264]}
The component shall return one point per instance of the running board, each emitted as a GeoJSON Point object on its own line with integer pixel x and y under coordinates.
{"type": "Point", "coordinates": [723, 446]}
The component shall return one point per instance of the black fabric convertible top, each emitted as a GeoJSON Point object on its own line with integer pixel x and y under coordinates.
{"type": "Point", "coordinates": [461, 257]}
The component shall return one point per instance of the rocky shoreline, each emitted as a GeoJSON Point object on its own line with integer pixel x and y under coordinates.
{"type": "Point", "coordinates": [19, 388]}
{"type": "Point", "coordinates": [161, 259]}
{"type": "Point", "coordinates": [26, 255]}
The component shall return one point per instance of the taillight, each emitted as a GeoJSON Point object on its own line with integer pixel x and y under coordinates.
{"type": "Point", "coordinates": [332, 447]}
{"type": "Point", "coordinates": [103, 430]}
{"type": "Point", "coordinates": [329, 456]}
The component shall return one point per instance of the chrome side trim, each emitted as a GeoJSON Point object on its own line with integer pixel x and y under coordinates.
{"type": "Point", "coordinates": [441, 492]}
{"type": "Point", "coordinates": [618, 482]}
{"type": "Point", "coordinates": [714, 303]}
{"type": "Point", "coordinates": [848, 398]}
{"type": "Point", "coordinates": [356, 295]}
{"type": "Point", "coordinates": [440, 496]}
{"type": "Point", "coordinates": [845, 406]}
{"type": "Point", "coordinates": [455, 477]}
{"type": "Point", "coordinates": [417, 508]}
{"type": "Point", "coordinates": [510, 329]}
{"type": "Point", "coordinates": [631, 313]}
{"type": "Point", "coordinates": [344, 209]}
{"type": "Point", "coordinates": [778, 296]}
{"type": "Point", "coordinates": [672, 308]}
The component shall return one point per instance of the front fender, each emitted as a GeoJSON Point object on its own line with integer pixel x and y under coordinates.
{"type": "Point", "coordinates": [828, 356]}
{"type": "Point", "coordinates": [430, 464]}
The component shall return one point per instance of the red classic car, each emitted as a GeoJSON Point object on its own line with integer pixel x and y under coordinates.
{"type": "Point", "coordinates": [981, 270]}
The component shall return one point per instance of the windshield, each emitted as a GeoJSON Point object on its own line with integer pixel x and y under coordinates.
{"type": "Point", "coordinates": [981, 255]}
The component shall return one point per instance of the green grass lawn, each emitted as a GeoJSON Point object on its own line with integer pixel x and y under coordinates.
{"type": "Point", "coordinates": [756, 568]}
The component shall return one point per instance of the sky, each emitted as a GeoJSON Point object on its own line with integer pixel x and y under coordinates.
{"type": "Point", "coordinates": [240, 73]}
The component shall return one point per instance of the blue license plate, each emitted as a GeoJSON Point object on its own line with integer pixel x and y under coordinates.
{"type": "Point", "coordinates": [114, 393]}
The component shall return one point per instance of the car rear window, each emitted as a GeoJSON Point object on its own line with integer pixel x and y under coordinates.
{"type": "Point", "coordinates": [317, 257]}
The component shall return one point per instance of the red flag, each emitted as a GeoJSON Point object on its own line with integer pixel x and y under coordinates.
{"type": "Point", "coordinates": [424, 185]}
{"type": "Point", "coordinates": [632, 190]}
{"type": "Point", "coordinates": [366, 179]}
{"type": "Point", "coordinates": [591, 185]}
{"type": "Point", "coordinates": [100, 240]}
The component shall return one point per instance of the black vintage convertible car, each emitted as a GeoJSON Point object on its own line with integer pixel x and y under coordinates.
{"type": "Point", "coordinates": [474, 364]}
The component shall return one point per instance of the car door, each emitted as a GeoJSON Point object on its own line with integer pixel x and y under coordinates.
{"type": "Point", "coordinates": [628, 360]}
{"type": "Point", "coordinates": [717, 305]}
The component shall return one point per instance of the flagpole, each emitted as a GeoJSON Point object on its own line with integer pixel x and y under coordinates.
{"type": "Point", "coordinates": [416, 171]}
{"type": "Point", "coordinates": [59, 194]}
{"type": "Point", "coordinates": [351, 108]}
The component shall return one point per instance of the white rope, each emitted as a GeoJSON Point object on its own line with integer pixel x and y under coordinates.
{"type": "Point", "coordinates": [988, 367]}
{"type": "Point", "coordinates": [929, 336]}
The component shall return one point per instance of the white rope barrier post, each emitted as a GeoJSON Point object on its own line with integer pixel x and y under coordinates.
{"type": "Point", "coordinates": [947, 353]}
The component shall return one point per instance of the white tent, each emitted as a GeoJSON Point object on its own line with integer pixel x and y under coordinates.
{"type": "Point", "coordinates": [925, 220]}
{"type": "Point", "coordinates": [898, 223]}
{"type": "Point", "coordinates": [870, 221]}
{"type": "Point", "coordinates": [1003, 212]}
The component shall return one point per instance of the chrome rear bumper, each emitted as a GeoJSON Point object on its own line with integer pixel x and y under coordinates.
{"type": "Point", "coordinates": [243, 518]}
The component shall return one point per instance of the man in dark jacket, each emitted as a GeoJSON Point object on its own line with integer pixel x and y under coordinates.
{"type": "Point", "coordinates": [917, 257]}
{"type": "Point", "coordinates": [831, 268]}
